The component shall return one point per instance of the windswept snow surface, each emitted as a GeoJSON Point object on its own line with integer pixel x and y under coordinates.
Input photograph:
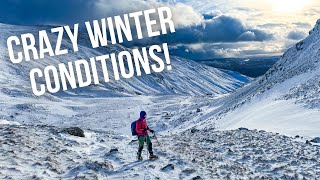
{"type": "Point", "coordinates": [284, 100]}
{"type": "Point", "coordinates": [5, 122]}
{"type": "Point", "coordinates": [42, 152]}
{"type": "Point", "coordinates": [47, 152]}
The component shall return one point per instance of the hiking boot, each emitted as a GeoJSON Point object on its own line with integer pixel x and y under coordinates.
{"type": "Point", "coordinates": [152, 156]}
{"type": "Point", "coordinates": [139, 157]}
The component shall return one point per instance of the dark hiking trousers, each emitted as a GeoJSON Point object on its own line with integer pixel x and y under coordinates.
{"type": "Point", "coordinates": [141, 140]}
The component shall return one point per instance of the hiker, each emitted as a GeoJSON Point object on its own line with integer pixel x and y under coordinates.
{"type": "Point", "coordinates": [142, 131]}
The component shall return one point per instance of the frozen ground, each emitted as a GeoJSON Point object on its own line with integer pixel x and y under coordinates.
{"type": "Point", "coordinates": [245, 154]}
{"type": "Point", "coordinates": [46, 152]}
{"type": "Point", "coordinates": [42, 152]}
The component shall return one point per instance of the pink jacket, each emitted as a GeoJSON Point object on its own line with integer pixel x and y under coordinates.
{"type": "Point", "coordinates": [141, 124]}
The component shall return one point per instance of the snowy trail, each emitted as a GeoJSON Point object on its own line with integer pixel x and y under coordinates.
{"type": "Point", "coordinates": [59, 155]}
{"type": "Point", "coordinates": [104, 155]}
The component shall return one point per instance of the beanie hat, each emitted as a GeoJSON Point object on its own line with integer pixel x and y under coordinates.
{"type": "Point", "coordinates": [143, 114]}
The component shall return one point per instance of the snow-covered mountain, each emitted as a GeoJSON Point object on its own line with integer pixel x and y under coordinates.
{"type": "Point", "coordinates": [187, 77]}
{"type": "Point", "coordinates": [285, 99]}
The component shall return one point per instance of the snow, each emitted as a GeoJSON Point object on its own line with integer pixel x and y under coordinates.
{"type": "Point", "coordinates": [271, 112]}
{"type": "Point", "coordinates": [281, 116]}
{"type": "Point", "coordinates": [5, 122]}
{"type": "Point", "coordinates": [248, 154]}
{"type": "Point", "coordinates": [47, 152]}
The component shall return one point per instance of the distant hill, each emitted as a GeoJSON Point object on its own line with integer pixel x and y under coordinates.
{"type": "Point", "coordinates": [252, 67]}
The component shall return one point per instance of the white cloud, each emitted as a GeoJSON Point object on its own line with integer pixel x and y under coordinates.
{"type": "Point", "coordinates": [183, 15]}
{"type": "Point", "coordinates": [271, 16]}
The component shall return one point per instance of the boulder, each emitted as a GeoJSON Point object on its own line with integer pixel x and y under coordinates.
{"type": "Point", "coordinates": [194, 130]}
{"type": "Point", "coordinates": [113, 150]}
{"type": "Point", "coordinates": [97, 166]}
{"type": "Point", "coordinates": [168, 167]}
{"type": "Point", "coordinates": [196, 178]}
{"type": "Point", "coordinates": [315, 140]}
{"type": "Point", "coordinates": [188, 171]}
{"type": "Point", "coordinates": [75, 131]}
{"type": "Point", "coordinates": [308, 142]}
{"type": "Point", "coordinates": [243, 129]}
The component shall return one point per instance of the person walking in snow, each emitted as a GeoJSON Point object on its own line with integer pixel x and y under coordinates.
{"type": "Point", "coordinates": [142, 130]}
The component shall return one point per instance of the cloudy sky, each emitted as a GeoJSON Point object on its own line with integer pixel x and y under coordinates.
{"type": "Point", "coordinates": [204, 28]}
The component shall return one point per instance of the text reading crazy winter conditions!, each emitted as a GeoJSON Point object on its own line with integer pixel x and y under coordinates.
{"type": "Point", "coordinates": [83, 72]}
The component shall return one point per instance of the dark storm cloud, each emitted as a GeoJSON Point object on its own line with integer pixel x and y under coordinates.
{"type": "Point", "coordinates": [208, 16]}
{"type": "Point", "coordinates": [211, 14]}
{"type": "Point", "coordinates": [184, 51]}
{"type": "Point", "coordinates": [219, 29]}
{"type": "Point", "coordinates": [45, 11]}
{"type": "Point", "coordinates": [296, 35]}
{"type": "Point", "coordinates": [211, 27]}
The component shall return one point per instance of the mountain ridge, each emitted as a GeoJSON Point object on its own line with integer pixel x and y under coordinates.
{"type": "Point", "coordinates": [290, 85]}
{"type": "Point", "coordinates": [187, 77]}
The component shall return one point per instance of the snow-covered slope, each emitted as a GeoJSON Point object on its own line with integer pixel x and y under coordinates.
{"type": "Point", "coordinates": [187, 77]}
{"type": "Point", "coordinates": [285, 99]}
{"type": "Point", "coordinates": [44, 152]}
